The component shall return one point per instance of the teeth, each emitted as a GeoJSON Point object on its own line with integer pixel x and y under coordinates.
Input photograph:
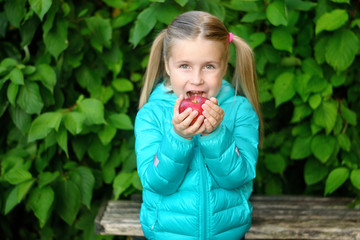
{"type": "Point", "coordinates": [196, 93]}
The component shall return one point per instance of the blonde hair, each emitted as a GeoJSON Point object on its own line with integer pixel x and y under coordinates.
{"type": "Point", "coordinates": [189, 26]}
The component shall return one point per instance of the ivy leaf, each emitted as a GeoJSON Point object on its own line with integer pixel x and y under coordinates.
{"type": "Point", "coordinates": [300, 112]}
{"type": "Point", "coordinates": [56, 39]}
{"type": "Point", "coordinates": [29, 98]}
{"type": "Point", "coordinates": [62, 140]}
{"type": "Point", "coordinates": [256, 39]}
{"type": "Point", "coordinates": [11, 200]}
{"type": "Point", "coordinates": [41, 201]}
{"type": "Point", "coordinates": [121, 182]}
{"type": "Point", "coordinates": [314, 171]}
{"type": "Point", "coordinates": [47, 76]}
{"type": "Point", "coordinates": [322, 147]}
{"type": "Point", "coordinates": [122, 85]}
{"type": "Point", "coordinates": [86, 184]}
{"type": "Point", "coordinates": [107, 134]}
{"type": "Point", "coordinates": [341, 49]}
{"type": "Point", "coordinates": [40, 7]}
{"type": "Point", "coordinates": [325, 115]}
{"type": "Point", "coordinates": [166, 13]}
{"type": "Point", "coordinates": [355, 178]}
{"type": "Point", "coordinates": [15, 11]}
{"type": "Point", "coordinates": [344, 142]}
{"type": "Point", "coordinates": [93, 110]}
{"type": "Point", "coordinates": [21, 119]}
{"type": "Point", "coordinates": [43, 124]}
{"type": "Point", "coordinates": [275, 163]}
{"type": "Point", "coordinates": [336, 178]}
{"type": "Point", "coordinates": [12, 92]}
{"type": "Point", "coordinates": [68, 200]}
{"type": "Point", "coordinates": [17, 175]}
{"type": "Point", "coordinates": [120, 121]}
{"type": "Point", "coordinates": [276, 13]}
{"type": "Point", "coordinates": [282, 40]}
{"type": "Point", "coordinates": [101, 32]}
{"type": "Point", "coordinates": [284, 89]}
{"type": "Point", "coordinates": [331, 21]}
{"type": "Point", "coordinates": [99, 152]}
{"type": "Point", "coordinates": [16, 76]}
{"type": "Point", "coordinates": [315, 101]}
{"type": "Point", "coordinates": [144, 23]}
{"type": "Point", "coordinates": [46, 178]}
{"type": "Point", "coordinates": [74, 121]}
{"type": "Point", "coordinates": [349, 115]}
{"type": "Point", "coordinates": [115, 3]}
{"type": "Point", "coordinates": [301, 148]}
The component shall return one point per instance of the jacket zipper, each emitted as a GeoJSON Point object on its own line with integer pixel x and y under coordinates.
{"type": "Point", "coordinates": [204, 199]}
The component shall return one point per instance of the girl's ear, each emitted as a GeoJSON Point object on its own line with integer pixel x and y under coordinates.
{"type": "Point", "coordinates": [167, 67]}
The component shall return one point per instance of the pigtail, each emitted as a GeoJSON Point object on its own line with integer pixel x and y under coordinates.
{"type": "Point", "coordinates": [154, 70]}
{"type": "Point", "coordinates": [245, 76]}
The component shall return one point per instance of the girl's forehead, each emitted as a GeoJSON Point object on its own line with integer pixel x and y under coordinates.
{"type": "Point", "coordinates": [198, 47]}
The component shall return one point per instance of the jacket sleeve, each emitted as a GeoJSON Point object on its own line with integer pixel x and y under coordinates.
{"type": "Point", "coordinates": [162, 156]}
{"type": "Point", "coordinates": [231, 156]}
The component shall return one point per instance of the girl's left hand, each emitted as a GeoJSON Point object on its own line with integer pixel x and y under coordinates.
{"type": "Point", "coordinates": [213, 115]}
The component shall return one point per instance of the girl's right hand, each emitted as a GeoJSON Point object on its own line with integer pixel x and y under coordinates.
{"type": "Point", "coordinates": [182, 121]}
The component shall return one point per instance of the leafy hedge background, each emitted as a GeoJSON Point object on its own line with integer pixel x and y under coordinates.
{"type": "Point", "coordinates": [70, 77]}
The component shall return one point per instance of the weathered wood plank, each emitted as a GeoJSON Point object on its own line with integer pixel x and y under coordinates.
{"type": "Point", "coordinates": [274, 217]}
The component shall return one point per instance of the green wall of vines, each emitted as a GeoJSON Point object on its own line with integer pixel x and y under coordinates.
{"type": "Point", "coordinates": [70, 76]}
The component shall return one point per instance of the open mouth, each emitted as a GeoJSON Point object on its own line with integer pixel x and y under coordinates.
{"type": "Point", "coordinates": [195, 94]}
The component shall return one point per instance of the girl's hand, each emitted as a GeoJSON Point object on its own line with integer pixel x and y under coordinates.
{"type": "Point", "coordinates": [181, 122]}
{"type": "Point", "coordinates": [213, 115]}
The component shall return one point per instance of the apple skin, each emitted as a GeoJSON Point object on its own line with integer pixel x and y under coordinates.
{"type": "Point", "coordinates": [195, 103]}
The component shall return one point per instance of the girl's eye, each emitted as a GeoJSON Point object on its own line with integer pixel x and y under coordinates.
{"type": "Point", "coordinates": [184, 66]}
{"type": "Point", "coordinates": [209, 67]}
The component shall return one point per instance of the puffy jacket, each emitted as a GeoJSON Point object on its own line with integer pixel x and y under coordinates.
{"type": "Point", "coordinates": [199, 188]}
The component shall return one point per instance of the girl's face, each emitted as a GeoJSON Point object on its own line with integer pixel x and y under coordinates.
{"type": "Point", "coordinates": [196, 67]}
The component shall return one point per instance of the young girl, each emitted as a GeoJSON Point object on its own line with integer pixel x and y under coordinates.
{"type": "Point", "coordinates": [197, 179]}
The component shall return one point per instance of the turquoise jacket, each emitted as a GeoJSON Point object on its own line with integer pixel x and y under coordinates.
{"type": "Point", "coordinates": [199, 188]}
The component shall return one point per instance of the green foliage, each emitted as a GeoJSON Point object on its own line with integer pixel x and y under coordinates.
{"type": "Point", "coordinates": [70, 77]}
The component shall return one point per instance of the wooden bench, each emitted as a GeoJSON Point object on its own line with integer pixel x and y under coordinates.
{"type": "Point", "coordinates": [274, 217]}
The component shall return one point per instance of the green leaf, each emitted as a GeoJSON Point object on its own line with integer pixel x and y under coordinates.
{"type": "Point", "coordinates": [311, 67]}
{"type": "Point", "coordinates": [284, 89]}
{"type": "Point", "coordinates": [100, 31]}
{"type": "Point", "coordinates": [341, 49]}
{"type": "Point", "coordinates": [246, 6]}
{"type": "Point", "coordinates": [29, 98]}
{"type": "Point", "coordinates": [17, 175]}
{"type": "Point", "coordinates": [315, 101]}
{"type": "Point", "coordinates": [144, 23]}
{"type": "Point", "coordinates": [93, 110]}
{"type": "Point", "coordinates": [121, 182]}
{"type": "Point", "coordinates": [300, 5]}
{"type": "Point", "coordinates": [344, 142]}
{"type": "Point", "coordinates": [99, 152]}
{"type": "Point", "coordinates": [56, 39]}
{"type": "Point", "coordinates": [348, 115]}
{"type": "Point", "coordinates": [21, 119]}
{"type": "Point", "coordinates": [301, 86]}
{"type": "Point", "coordinates": [86, 184]}
{"type": "Point", "coordinates": [341, 1]}
{"type": "Point", "coordinates": [120, 121]}
{"type": "Point", "coordinates": [323, 146]}
{"type": "Point", "coordinates": [11, 200]}
{"type": "Point", "coordinates": [47, 76]}
{"type": "Point", "coordinates": [281, 39]}
{"type": "Point", "coordinates": [15, 11]}
{"type": "Point", "coordinates": [182, 2]}
{"type": "Point", "coordinates": [336, 178]}
{"type": "Point", "coordinates": [115, 3]}
{"type": "Point", "coordinates": [167, 13]}
{"type": "Point", "coordinates": [257, 39]}
{"type": "Point", "coordinates": [62, 140]}
{"type": "Point", "coordinates": [12, 92]}
{"type": "Point", "coordinates": [107, 134]}
{"type": "Point", "coordinates": [275, 163]}
{"type": "Point", "coordinates": [123, 19]}
{"type": "Point", "coordinates": [253, 17]}
{"type": "Point", "coordinates": [23, 189]}
{"type": "Point", "coordinates": [46, 178]}
{"type": "Point", "coordinates": [122, 85]}
{"type": "Point", "coordinates": [41, 202]}
{"type": "Point", "coordinates": [331, 21]}
{"type": "Point", "coordinates": [338, 79]}
{"type": "Point", "coordinates": [301, 148]}
{"type": "Point", "coordinates": [276, 13]}
{"type": "Point", "coordinates": [74, 121]}
{"type": "Point", "coordinates": [68, 200]}
{"type": "Point", "coordinates": [300, 112]}
{"type": "Point", "coordinates": [314, 171]}
{"type": "Point", "coordinates": [355, 178]}
{"type": "Point", "coordinates": [43, 124]}
{"type": "Point", "coordinates": [16, 76]}
{"type": "Point", "coordinates": [40, 7]}
{"type": "Point", "coordinates": [325, 115]}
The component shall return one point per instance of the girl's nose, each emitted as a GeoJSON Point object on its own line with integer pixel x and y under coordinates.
{"type": "Point", "coordinates": [197, 78]}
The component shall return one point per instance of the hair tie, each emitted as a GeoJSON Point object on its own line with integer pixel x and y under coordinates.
{"type": "Point", "coordinates": [231, 37]}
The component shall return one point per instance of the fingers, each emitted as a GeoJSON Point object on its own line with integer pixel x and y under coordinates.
{"type": "Point", "coordinates": [213, 115]}
{"type": "Point", "coordinates": [177, 104]}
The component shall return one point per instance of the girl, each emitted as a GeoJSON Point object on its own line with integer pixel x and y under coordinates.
{"type": "Point", "coordinates": [197, 179]}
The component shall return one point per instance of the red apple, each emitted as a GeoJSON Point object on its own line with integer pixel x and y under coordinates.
{"type": "Point", "coordinates": [195, 103]}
